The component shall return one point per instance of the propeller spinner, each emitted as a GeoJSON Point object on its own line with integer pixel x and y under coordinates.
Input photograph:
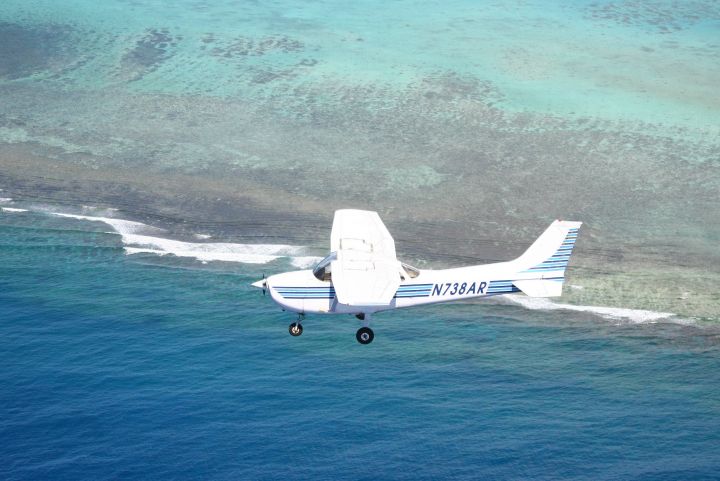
{"type": "Point", "coordinates": [262, 284]}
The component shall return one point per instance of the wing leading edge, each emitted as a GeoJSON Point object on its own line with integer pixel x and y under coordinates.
{"type": "Point", "coordinates": [366, 271]}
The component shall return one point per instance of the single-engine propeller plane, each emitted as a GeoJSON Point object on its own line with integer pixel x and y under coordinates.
{"type": "Point", "coordinates": [362, 275]}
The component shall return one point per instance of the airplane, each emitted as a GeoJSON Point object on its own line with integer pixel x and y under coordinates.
{"type": "Point", "coordinates": [362, 275]}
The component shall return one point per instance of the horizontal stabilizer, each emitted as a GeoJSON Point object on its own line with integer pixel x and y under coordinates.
{"type": "Point", "coordinates": [540, 287]}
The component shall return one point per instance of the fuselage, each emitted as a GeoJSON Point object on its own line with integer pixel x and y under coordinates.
{"type": "Point", "coordinates": [539, 272]}
{"type": "Point", "coordinates": [302, 292]}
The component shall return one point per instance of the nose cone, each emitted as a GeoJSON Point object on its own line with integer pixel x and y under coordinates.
{"type": "Point", "coordinates": [261, 284]}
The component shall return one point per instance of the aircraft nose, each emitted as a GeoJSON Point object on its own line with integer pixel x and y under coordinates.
{"type": "Point", "coordinates": [261, 284]}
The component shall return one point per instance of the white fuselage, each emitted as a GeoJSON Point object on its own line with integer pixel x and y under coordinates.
{"type": "Point", "coordinates": [300, 291]}
{"type": "Point", "coordinates": [539, 272]}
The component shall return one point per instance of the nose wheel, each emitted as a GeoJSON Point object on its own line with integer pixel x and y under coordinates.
{"type": "Point", "coordinates": [295, 329]}
{"type": "Point", "coordinates": [365, 335]}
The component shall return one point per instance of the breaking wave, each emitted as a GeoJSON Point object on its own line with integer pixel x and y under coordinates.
{"type": "Point", "coordinates": [636, 316]}
{"type": "Point", "coordinates": [137, 239]}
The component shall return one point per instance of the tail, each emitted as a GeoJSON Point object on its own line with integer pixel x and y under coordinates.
{"type": "Point", "coordinates": [541, 269]}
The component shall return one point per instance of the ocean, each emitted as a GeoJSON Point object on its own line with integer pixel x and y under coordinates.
{"type": "Point", "coordinates": [156, 158]}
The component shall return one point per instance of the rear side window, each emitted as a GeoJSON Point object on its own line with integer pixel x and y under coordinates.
{"type": "Point", "coordinates": [411, 271]}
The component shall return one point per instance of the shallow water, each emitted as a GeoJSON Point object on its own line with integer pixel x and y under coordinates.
{"type": "Point", "coordinates": [468, 127]}
{"type": "Point", "coordinates": [137, 366]}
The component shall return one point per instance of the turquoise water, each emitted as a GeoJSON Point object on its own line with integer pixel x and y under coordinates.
{"type": "Point", "coordinates": [541, 57]}
{"type": "Point", "coordinates": [137, 367]}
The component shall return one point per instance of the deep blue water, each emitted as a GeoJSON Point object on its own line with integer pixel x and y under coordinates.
{"type": "Point", "coordinates": [132, 367]}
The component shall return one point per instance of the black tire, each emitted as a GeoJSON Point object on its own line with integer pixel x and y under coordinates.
{"type": "Point", "coordinates": [365, 335]}
{"type": "Point", "coordinates": [295, 329]}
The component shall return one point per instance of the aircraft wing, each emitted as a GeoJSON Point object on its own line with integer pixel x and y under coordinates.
{"type": "Point", "coordinates": [366, 271]}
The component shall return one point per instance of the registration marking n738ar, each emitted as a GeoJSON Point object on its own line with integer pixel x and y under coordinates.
{"type": "Point", "coordinates": [459, 288]}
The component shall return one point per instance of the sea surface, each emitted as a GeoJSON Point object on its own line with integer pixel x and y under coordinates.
{"type": "Point", "coordinates": [158, 157]}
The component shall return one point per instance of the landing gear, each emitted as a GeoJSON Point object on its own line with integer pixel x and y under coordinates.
{"type": "Point", "coordinates": [295, 329]}
{"type": "Point", "coordinates": [365, 335]}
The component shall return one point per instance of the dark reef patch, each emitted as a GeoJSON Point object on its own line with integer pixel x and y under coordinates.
{"type": "Point", "coordinates": [148, 53]}
{"type": "Point", "coordinates": [661, 16]}
{"type": "Point", "coordinates": [453, 86]}
{"type": "Point", "coordinates": [284, 51]}
{"type": "Point", "coordinates": [253, 47]}
{"type": "Point", "coordinates": [25, 51]}
{"type": "Point", "coordinates": [267, 76]}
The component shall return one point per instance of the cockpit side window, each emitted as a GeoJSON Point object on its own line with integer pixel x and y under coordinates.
{"type": "Point", "coordinates": [322, 269]}
{"type": "Point", "coordinates": [411, 271]}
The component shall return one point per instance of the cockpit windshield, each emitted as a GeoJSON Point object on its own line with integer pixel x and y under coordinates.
{"type": "Point", "coordinates": [322, 269]}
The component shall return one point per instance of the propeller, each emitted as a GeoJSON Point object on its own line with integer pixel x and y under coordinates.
{"type": "Point", "coordinates": [261, 284]}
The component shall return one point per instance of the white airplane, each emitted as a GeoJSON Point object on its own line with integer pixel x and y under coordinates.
{"type": "Point", "coordinates": [362, 275]}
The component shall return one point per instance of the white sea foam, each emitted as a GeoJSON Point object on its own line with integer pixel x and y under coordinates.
{"type": "Point", "coordinates": [12, 209]}
{"type": "Point", "coordinates": [5, 199]}
{"type": "Point", "coordinates": [121, 226]}
{"type": "Point", "coordinates": [135, 236]}
{"type": "Point", "coordinates": [638, 316]}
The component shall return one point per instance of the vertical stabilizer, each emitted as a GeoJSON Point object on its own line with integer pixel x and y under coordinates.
{"type": "Point", "coordinates": [541, 269]}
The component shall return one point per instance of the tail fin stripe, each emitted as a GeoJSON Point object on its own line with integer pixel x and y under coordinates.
{"type": "Point", "coordinates": [502, 287]}
{"type": "Point", "coordinates": [550, 263]}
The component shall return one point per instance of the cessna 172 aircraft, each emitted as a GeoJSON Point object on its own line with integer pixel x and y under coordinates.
{"type": "Point", "coordinates": [362, 275]}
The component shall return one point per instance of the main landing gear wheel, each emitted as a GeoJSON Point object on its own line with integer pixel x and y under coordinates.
{"type": "Point", "coordinates": [365, 335]}
{"type": "Point", "coordinates": [295, 329]}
